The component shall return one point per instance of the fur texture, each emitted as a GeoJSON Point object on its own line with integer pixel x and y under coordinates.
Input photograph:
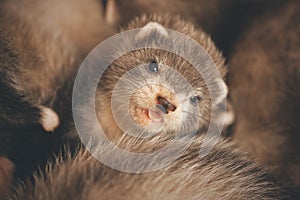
{"type": "Point", "coordinates": [224, 173]}
{"type": "Point", "coordinates": [42, 44]}
{"type": "Point", "coordinates": [145, 98]}
{"type": "Point", "coordinates": [6, 175]}
{"type": "Point", "coordinates": [39, 49]}
{"type": "Point", "coordinates": [222, 19]}
{"type": "Point", "coordinates": [265, 84]}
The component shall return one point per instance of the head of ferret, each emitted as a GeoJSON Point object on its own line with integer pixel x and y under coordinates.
{"type": "Point", "coordinates": [155, 91]}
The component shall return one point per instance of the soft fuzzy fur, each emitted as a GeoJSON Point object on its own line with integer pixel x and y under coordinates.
{"type": "Point", "coordinates": [130, 60]}
{"type": "Point", "coordinates": [265, 84]}
{"type": "Point", "coordinates": [42, 44]}
{"type": "Point", "coordinates": [224, 173]}
{"type": "Point", "coordinates": [6, 175]}
{"type": "Point", "coordinates": [39, 48]}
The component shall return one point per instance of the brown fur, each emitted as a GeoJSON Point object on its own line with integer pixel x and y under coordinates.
{"type": "Point", "coordinates": [224, 173]}
{"type": "Point", "coordinates": [265, 85]}
{"type": "Point", "coordinates": [132, 59]}
{"type": "Point", "coordinates": [42, 44]}
{"type": "Point", "coordinates": [199, 12]}
{"type": "Point", "coordinates": [6, 175]}
{"type": "Point", "coordinates": [222, 19]}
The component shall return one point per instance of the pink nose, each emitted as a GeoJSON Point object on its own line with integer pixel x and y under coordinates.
{"type": "Point", "coordinates": [164, 105]}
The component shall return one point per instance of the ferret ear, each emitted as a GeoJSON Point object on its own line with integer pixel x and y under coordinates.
{"type": "Point", "coordinates": [151, 28]}
{"type": "Point", "coordinates": [221, 91]}
{"type": "Point", "coordinates": [112, 14]}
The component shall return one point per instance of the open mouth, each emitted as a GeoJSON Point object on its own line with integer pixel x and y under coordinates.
{"type": "Point", "coordinates": [146, 117]}
{"type": "Point", "coordinates": [151, 115]}
{"type": "Point", "coordinates": [155, 115]}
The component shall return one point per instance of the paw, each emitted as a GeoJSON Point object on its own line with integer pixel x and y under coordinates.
{"type": "Point", "coordinates": [49, 120]}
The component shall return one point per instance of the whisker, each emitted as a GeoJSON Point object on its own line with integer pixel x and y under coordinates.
{"type": "Point", "coordinates": [148, 85]}
{"type": "Point", "coordinates": [194, 114]}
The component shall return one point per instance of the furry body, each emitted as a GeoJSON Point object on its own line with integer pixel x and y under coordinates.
{"type": "Point", "coordinates": [38, 53]}
{"type": "Point", "coordinates": [42, 44]}
{"type": "Point", "coordinates": [222, 19]}
{"type": "Point", "coordinates": [264, 84]}
{"type": "Point", "coordinates": [225, 173]}
{"type": "Point", "coordinates": [6, 175]}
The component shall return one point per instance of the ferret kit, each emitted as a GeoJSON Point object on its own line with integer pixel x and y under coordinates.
{"type": "Point", "coordinates": [101, 103]}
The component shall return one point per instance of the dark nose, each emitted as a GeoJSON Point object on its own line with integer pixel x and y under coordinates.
{"type": "Point", "coordinates": [164, 105]}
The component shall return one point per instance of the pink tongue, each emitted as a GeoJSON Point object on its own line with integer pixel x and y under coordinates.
{"type": "Point", "coordinates": [155, 116]}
